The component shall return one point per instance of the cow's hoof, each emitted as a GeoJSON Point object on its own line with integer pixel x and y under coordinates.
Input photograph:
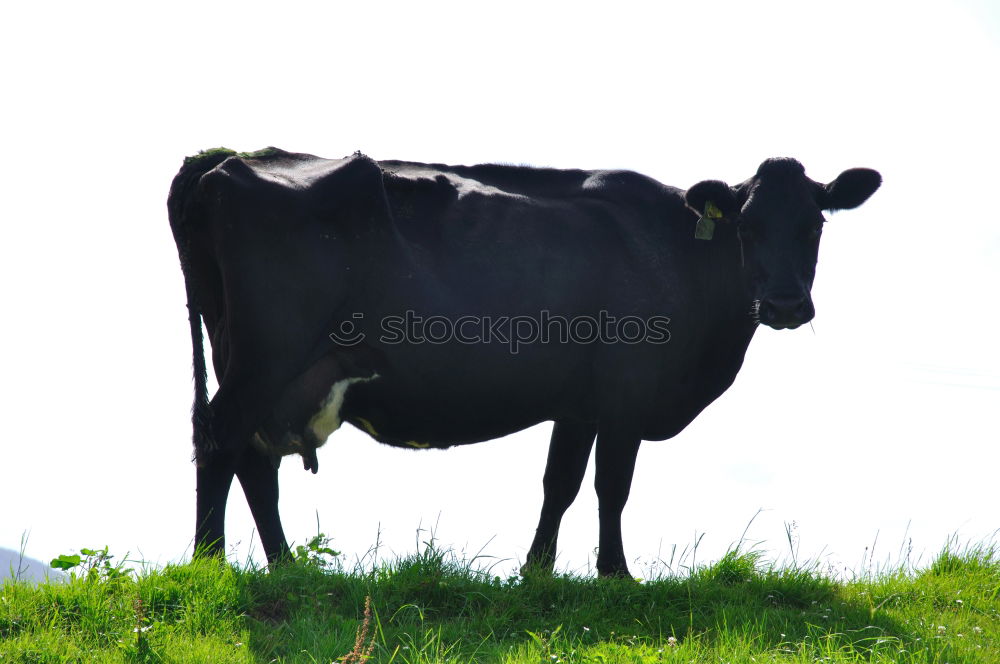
{"type": "Point", "coordinates": [616, 573]}
{"type": "Point", "coordinates": [538, 569]}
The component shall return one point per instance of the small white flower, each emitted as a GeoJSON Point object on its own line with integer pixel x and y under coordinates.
{"type": "Point", "coordinates": [671, 641]}
{"type": "Point", "coordinates": [942, 628]}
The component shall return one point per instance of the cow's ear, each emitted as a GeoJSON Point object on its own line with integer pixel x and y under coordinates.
{"type": "Point", "coordinates": [850, 189]}
{"type": "Point", "coordinates": [717, 193]}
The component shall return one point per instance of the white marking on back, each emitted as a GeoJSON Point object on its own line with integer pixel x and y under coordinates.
{"type": "Point", "coordinates": [463, 185]}
{"type": "Point", "coordinates": [327, 419]}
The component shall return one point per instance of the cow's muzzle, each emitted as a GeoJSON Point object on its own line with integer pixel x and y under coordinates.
{"type": "Point", "coordinates": [786, 312]}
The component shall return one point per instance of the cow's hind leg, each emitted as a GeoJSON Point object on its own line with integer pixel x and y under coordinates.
{"type": "Point", "coordinates": [214, 478]}
{"type": "Point", "coordinates": [569, 450]}
{"type": "Point", "coordinates": [259, 478]}
{"type": "Point", "coordinates": [617, 448]}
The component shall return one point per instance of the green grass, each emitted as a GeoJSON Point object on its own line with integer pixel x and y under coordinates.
{"type": "Point", "coordinates": [431, 607]}
{"type": "Point", "coordinates": [226, 152]}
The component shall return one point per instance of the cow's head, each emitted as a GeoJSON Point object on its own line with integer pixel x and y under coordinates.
{"type": "Point", "coordinates": [778, 215]}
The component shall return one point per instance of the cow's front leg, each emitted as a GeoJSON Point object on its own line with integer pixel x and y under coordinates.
{"type": "Point", "coordinates": [258, 476]}
{"type": "Point", "coordinates": [617, 448]}
{"type": "Point", "coordinates": [214, 478]}
{"type": "Point", "coordinates": [569, 450]}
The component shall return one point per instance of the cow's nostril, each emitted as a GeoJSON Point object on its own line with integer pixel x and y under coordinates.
{"type": "Point", "coordinates": [786, 311]}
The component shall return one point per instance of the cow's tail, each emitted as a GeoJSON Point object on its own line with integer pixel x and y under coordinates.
{"type": "Point", "coordinates": [201, 410]}
{"type": "Point", "coordinates": [183, 217]}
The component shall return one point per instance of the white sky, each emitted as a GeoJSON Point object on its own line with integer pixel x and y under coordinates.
{"type": "Point", "coordinates": [887, 415]}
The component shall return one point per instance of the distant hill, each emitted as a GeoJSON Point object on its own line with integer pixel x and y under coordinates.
{"type": "Point", "coordinates": [29, 569]}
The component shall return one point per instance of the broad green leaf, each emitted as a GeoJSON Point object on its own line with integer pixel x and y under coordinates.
{"type": "Point", "coordinates": [65, 562]}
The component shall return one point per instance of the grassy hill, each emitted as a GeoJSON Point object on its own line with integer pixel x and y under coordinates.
{"type": "Point", "coordinates": [432, 608]}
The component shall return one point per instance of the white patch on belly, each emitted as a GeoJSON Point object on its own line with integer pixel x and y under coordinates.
{"type": "Point", "coordinates": [327, 419]}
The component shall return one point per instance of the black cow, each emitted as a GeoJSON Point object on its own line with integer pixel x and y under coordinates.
{"type": "Point", "coordinates": [434, 305]}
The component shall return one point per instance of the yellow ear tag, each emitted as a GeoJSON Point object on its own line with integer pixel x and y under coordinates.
{"type": "Point", "coordinates": [705, 228]}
